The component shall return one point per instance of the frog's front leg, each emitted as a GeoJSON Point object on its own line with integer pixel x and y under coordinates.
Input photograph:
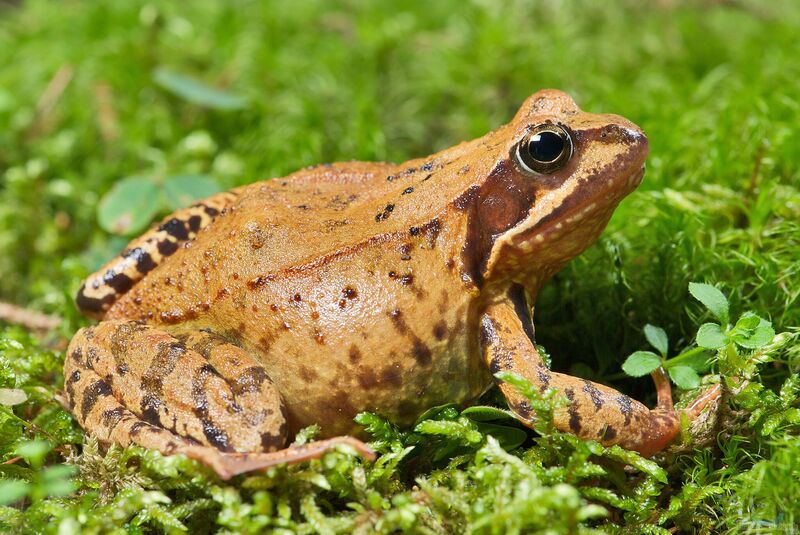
{"type": "Point", "coordinates": [192, 393]}
{"type": "Point", "coordinates": [595, 411]}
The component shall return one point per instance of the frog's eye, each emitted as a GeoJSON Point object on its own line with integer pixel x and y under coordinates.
{"type": "Point", "coordinates": [545, 149]}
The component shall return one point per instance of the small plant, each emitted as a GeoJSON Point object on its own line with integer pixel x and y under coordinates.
{"type": "Point", "coordinates": [749, 332]}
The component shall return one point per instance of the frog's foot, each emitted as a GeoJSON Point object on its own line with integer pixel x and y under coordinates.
{"type": "Point", "coordinates": [192, 393]}
{"type": "Point", "coordinates": [595, 411]}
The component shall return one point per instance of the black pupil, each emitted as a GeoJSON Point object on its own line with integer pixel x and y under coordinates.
{"type": "Point", "coordinates": [546, 146]}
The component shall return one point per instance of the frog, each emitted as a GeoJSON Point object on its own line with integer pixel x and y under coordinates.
{"type": "Point", "coordinates": [341, 288]}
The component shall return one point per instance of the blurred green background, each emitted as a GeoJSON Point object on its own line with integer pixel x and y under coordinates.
{"type": "Point", "coordinates": [94, 92]}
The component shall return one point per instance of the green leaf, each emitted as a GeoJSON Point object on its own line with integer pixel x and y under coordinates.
{"type": "Point", "coordinates": [197, 92]}
{"type": "Point", "coordinates": [33, 451]}
{"type": "Point", "coordinates": [710, 336]}
{"type": "Point", "coordinates": [684, 377]}
{"type": "Point", "coordinates": [748, 321]}
{"type": "Point", "coordinates": [641, 363]}
{"type": "Point", "coordinates": [129, 206]}
{"type": "Point", "coordinates": [182, 190]}
{"type": "Point", "coordinates": [699, 362]}
{"type": "Point", "coordinates": [657, 338]}
{"type": "Point", "coordinates": [510, 438]}
{"type": "Point", "coordinates": [483, 413]}
{"type": "Point", "coordinates": [12, 396]}
{"type": "Point", "coordinates": [714, 300]}
{"type": "Point", "coordinates": [761, 331]}
{"type": "Point", "coordinates": [12, 490]}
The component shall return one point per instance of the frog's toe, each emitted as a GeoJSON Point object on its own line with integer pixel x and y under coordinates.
{"type": "Point", "coordinates": [227, 465]}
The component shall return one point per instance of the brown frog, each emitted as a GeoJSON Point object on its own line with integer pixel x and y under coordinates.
{"type": "Point", "coordinates": [359, 287]}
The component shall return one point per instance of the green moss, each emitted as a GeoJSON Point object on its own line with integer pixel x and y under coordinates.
{"type": "Point", "coordinates": [96, 92]}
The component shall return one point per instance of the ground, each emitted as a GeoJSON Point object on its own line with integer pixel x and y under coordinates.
{"type": "Point", "coordinates": [107, 106]}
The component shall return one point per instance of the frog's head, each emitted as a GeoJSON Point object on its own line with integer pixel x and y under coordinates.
{"type": "Point", "coordinates": [560, 175]}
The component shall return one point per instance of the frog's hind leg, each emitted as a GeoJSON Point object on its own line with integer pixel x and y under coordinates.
{"type": "Point", "coordinates": [193, 393]}
{"type": "Point", "coordinates": [595, 411]}
{"type": "Point", "coordinates": [103, 288]}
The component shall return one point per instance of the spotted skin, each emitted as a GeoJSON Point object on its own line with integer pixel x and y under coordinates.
{"type": "Point", "coordinates": [353, 287]}
{"type": "Point", "coordinates": [99, 292]}
{"type": "Point", "coordinates": [195, 394]}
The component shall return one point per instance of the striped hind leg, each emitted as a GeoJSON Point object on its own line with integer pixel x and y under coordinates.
{"type": "Point", "coordinates": [193, 393]}
{"type": "Point", "coordinates": [101, 289]}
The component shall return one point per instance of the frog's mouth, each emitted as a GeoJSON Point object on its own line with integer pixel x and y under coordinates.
{"type": "Point", "coordinates": [596, 206]}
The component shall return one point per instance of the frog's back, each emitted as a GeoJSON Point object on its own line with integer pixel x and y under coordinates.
{"type": "Point", "coordinates": [293, 227]}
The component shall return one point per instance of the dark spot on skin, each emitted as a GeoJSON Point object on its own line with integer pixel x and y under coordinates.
{"type": "Point", "coordinates": [250, 380]}
{"type": "Point", "coordinates": [625, 407]}
{"type": "Point", "coordinates": [319, 338]}
{"type": "Point", "coordinates": [494, 366]}
{"type": "Point", "coordinates": [426, 166]}
{"type": "Point", "coordinates": [382, 216]}
{"type": "Point", "coordinates": [194, 223]}
{"type": "Point", "coordinates": [222, 293]}
{"type": "Point", "coordinates": [150, 407]}
{"type": "Point", "coordinates": [297, 298]}
{"type": "Point", "coordinates": [431, 229]}
{"type": "Point", "coordinates": [161, 366]}
{"type": "Point", "coordinates": [307, 374]}
{"type": "Point", "coordinates": [440, 330]}
{"type": "Point", "coordinates": [122, 369]}
{"type": "Point", "coordinates": [367, 378]}
{"type": "Point", "coordinates": [92, 304]}
{"type": "Point", "coordinates": [408, 190]}
{"type": "Point", "coordinates": [398, 321]}
{"type": "Point", "coordinates": [74, 377]}
{"type": "Point", "coordinates": [543, 374]}
{"type": "Point", "coordinates": [407, 279]}
{"type": "Point", "coordinates": [594, 394]}
{"type": "Point", "coordinates": [120, 282]}
{"type": "Point", "coordinates": [212, 212]}
{"type": "Point", "coordinates": [137, 427]}
{"type": "Point", "coordinates": [574, 419]}
{"type": "Point", "coordinates": [516, 295]}
{"type": "Point", "coordinates": [609, 433]}
{"type": "Point", "coordinates": [414, 231]}
{"type": "Point", "coordinates": [216, 437]}
{"type": "Point", "coordinates": [349, 292]}
{"type": "Point", "coordinates": [390, 178]}
{"type": "Point", "coordinates": [111, 417]}
{"type": "Point", "coordinates": [260, 281]}
{"type": "Point", "coordinates": [90, 395]}
{"type": "Point", "coordinates": [175, 228]}
{"type": "Point", "coordinates": [354, 354]}
{"type": "Point", "coordinates": [167, 247]}
{"type": "Point", "coordinates": [77, 355]}
{"type": "Point", "coordinates": [144, 262]}
{"type": "Point", "coordinates": [421, 352]}
{"type": "Point", "coordinates": [524, 409]}
{"type": "Point", "coordinates": [274, 441]}
{"type": "Point", "coordinates": [391, 376]}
